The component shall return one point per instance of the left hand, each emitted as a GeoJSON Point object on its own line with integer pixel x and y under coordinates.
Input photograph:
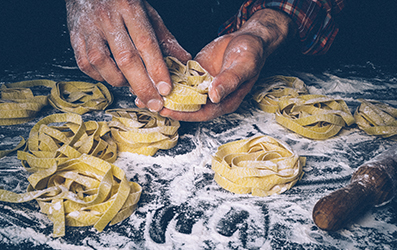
{"type": "Point", "coordinates": [236, 60]}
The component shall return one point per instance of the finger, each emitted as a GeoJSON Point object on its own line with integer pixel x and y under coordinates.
{"type": "Point", "coordinates": [211, 56]}
{"type": "Point", "coordinates": [145, 41]}
{"type": "Point", "coordinates": [224, 84]}
{"type": "Point", "coordinates": [139, 103]}
{"type": "Point", "coordinates": [131, 90]}
{"type": "Point", "coordinates": [129, 62]}
{"type": "Point", "coordinates": [210, 111]}
{"type": "Point", "coordinates": [98, 55]}
{"type": "Point", "coordinates": [79, 47]}
{"type": "Point", "coordinates": [242, 62]}
{"type": "Point", "coordinates": [168, 44]}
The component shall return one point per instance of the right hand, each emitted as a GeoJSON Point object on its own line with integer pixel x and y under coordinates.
{"type": "Point", "coordinates": [124, 42]}
{"type": "Point", "coordinates": [236, 60]}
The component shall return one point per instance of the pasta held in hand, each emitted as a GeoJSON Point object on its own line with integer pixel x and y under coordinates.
{"type": "Point", "coordinates": [190, 85]}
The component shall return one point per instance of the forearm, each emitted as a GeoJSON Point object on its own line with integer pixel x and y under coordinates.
{"type": "Point", "coordinates": [272, 26]}
{"type": "Point", "coordinates": [317, 20]}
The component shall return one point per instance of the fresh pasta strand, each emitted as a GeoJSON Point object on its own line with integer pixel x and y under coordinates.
{"type": "Point", "coordinates": [142, 132]}
{"type": "Point", "coordinates": [18, 104]}
{"type": "Point", "coordinates": [69, 180]}
{"type": "Point", "coordinates": [377, 118]}
{"type": "Point", "coordinates": [260, 165]}
{"type": "Point", "coordinates": [190, 85]}
{"type": "Point", "coordinates": [314, 116]}
{"type": "Point", "coordinates": [271, 89]}
{"type": "Point", "coordinates": [83, 191]}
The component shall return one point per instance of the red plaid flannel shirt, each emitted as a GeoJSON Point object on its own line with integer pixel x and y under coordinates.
{"type": "Point", "coordinates": [315, 20]}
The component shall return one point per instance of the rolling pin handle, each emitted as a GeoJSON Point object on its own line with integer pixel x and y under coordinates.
{"type": "Point", "coordinates": [373, 183]}
{"type": "Point", "coordinates": [333, 211]}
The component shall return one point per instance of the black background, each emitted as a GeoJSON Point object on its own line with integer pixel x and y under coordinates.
{"type": "Point", "coordinates": [35, 32]}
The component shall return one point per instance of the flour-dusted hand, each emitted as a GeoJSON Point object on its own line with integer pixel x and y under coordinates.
{"type": "Point", "coordinates": [123, 42]}
{"type": "Point", "coordinates": [236, 60]}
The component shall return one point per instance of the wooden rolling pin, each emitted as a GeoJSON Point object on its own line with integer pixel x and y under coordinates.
{"type": "Point", "coordinates": [372, 184]}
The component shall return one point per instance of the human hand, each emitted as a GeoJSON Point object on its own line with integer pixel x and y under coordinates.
{"type": "Point", "coordinates": [124, 42]}
{"type": "Point", "coordinates": [236, 60]}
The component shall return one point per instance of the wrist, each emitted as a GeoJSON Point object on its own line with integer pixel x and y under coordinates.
{"type": "Point", "coordinates": [273, 27]}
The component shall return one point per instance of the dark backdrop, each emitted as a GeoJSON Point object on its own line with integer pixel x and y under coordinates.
{"type": "Point", "coordinates": [34, 32]}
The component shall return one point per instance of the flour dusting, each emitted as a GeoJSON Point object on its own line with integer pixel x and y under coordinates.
{"type": "Point", "coordinates": [182, 207]}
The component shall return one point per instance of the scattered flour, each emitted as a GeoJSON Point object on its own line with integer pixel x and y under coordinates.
{"type": "Point", "coordinates": [183, 208]}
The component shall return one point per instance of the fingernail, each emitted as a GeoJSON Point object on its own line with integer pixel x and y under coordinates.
{"type": "Point", "coordinates": [154, 105]}
{"type": "Point", "coordinates": [219, 93]}
{"type": "Point", "coordinates": [139, 103]}
{"type": "Point", "coordinates": [163, 88]}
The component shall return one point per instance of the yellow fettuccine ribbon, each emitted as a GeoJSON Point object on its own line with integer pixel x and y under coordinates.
{"type": "Point", "coordinates": [19, 105]}
{"type": "Point", "coordinates": [377, 118]}
{"type": "Point", "coordinates": [142, 132]}
{"type": "Point", "coordinates": [83, 191]}
{"type": "Point", "coordinates": [59, 143]}
{"type": "Point", "coordinates": [72, 187]}
{"type": "Point", "coordinates": [273, 88]}
{"type": "Point", "coordinates": [314, 116]}
{"type": "Point", "coordinates": [80, 97]}
{"type": "Point", "coordinates": [190, 85]}
{"type": "Point", "coordinates": [260, 165]}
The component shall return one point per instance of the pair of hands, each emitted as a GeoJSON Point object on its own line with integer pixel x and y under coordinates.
{"type": "Point", "coordinates": [124, 42]}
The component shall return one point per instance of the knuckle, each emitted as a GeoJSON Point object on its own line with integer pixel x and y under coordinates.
{"type": "Point", "coordinates": [83, 64]}
{"type": "Point", "coordinates": [134, 4]}
{"type": "Point", "coordinates": [126, 58]}
{"type": "Point", "coordinates": [117, 79]}
{"type": "Point", "coordinates": [145, 42]}
{"type": "Point", "coordinates": [234, 79]}
{"type": "Point", "coordinates": [103, 11]}
{"type": "Point", "coordinates": [157, 69]}
{"type": "Point", "coordinates": [96, 57]}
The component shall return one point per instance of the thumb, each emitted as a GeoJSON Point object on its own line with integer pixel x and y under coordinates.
{"type": "Point", "coordinates": [242, 62]}
{"type": "Point", "coordinates": [231, 78]}
{"type": "Point", "coordinates": [222, 85]}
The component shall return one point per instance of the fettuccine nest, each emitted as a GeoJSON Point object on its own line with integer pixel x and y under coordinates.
{"type": "Point", "coordinates": [19, 105]}
{"type": "Point", "coordinates": [142, 132]}
{"type": "Point", "coordinates": [271, 89]}
{"type": "Point", "coordinates": [69, 180]}
{"type": "Point", "coordinates": [377, 118]}
{"type": "Point", "coordinates": [313, 116]}
{"type": "Point", "coordinates": [260, 165]}
{"type": "Point", "coordinates": [73, 178]}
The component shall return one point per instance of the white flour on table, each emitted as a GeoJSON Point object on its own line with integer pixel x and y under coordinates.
{"type": "Point", "coordinates": [181, 205]}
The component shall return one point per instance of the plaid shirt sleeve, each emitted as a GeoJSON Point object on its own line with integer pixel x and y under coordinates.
{"type": "Point", "coordinates": [315, 20]}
